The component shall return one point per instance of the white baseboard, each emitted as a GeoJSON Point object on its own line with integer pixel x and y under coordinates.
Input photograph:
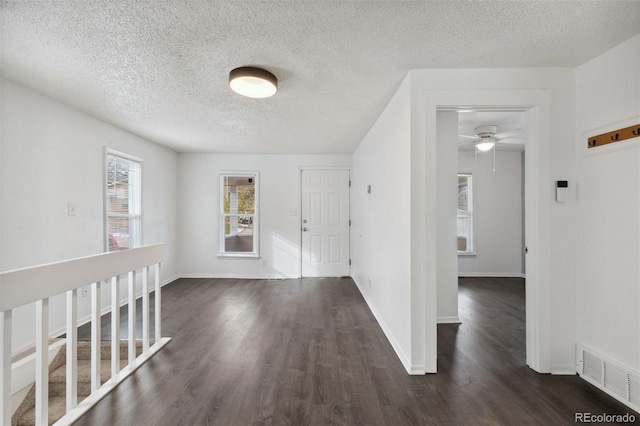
{"type": "Point", "coordinates": [490, 275]}
{"type": "Point", "coordinates": [170, 280]}
{"type": "Point", "coordinates": [411, 369]}
{"type": "Point", "coordinates": [449, 320]}
{"type": "Point", "coordinates": [417, 370]}
{"type": "Point", "coordinates": [564, 370]}
{"type": "Point", "coordinates": [240, 277]}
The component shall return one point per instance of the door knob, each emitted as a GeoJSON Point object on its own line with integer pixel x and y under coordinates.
{"type": "Point", "coordinates": [304, 229]}
{"type": "Point", "coordinates": [304, 220]}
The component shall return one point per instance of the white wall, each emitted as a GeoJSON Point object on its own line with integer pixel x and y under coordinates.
{"type": "Point", "coordinates": [198, 209]}
{"type": "Point", "coordinates": [52, 155]}
{"type": "Point", "coordinates": [447, 203]}
{"type": "Point", "coordinates": [381, 230]}
{"type": "Point", "coordinates": [608, 292]}
{"type": "Point", "coordinates": [497, 211]}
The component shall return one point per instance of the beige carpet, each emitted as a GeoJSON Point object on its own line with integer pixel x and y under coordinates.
{"type": "Point", "coordinates": [25, 414]}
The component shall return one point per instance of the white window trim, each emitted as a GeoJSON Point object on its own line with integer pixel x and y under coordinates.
{"type": "Point", "coordinates": [255, 254]}
{"type": "Point", "coordinates": [112, 152]}
{"type": "Point", "coordinates": [472, 238]}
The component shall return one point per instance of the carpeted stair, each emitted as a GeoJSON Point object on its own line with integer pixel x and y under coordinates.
{"type": "Point", "coordinates": [25, 414]}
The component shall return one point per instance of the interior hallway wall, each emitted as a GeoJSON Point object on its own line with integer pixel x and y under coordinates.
{"type": "Point", "coordinates": [382, 231]}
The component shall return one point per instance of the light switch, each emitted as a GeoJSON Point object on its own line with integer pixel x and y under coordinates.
{"type": "Point", "coordinates": [71, 209]}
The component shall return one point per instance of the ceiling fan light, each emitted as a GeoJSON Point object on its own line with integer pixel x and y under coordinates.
{"type": "Point", "coordinates": [485, 146]}
{"type": "Point", "coordinates": [253, 82]}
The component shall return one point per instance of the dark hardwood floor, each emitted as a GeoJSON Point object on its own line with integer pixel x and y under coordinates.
{"type": "Point", "coordinates": [84, 331]}
{"type": "Point", "coordinates": [310, 352]}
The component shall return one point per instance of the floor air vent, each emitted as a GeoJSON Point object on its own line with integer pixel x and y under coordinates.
{"type": "Point", "coordinates": [610, 376]}
{"type": "Point", "coordinates": [634, 391]}
{"type": "Point", "coordinates": [592, 367]}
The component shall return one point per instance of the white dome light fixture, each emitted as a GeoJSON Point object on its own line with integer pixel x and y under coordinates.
{"type": "Point", "coordinates": [486, 133]}
{"type": "Point", "coordinates": [485, 144]}
{"type": "Point", "coordinates": [253, 82]}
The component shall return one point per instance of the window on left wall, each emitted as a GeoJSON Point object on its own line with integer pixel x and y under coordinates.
{"type": "Point", "coordinates": [123, 201]}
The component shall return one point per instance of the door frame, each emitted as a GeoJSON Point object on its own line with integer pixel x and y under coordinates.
{"type": "Point", "coordinates": [537, 106]}
{"type": "Point", "coordinates": [299, 216]}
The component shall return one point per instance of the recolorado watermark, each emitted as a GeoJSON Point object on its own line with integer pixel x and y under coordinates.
{"type": "Point", "coordinates": [604, 418]}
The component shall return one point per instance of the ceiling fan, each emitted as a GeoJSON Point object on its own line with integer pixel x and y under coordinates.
{"type": "Point", "coordinates": [486, 137]}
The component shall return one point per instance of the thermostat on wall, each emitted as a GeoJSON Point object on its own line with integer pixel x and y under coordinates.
{"type": "Point", "coordinates": [562, 187]}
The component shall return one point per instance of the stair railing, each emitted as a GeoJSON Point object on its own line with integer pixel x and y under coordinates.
{"type": "Point", "coordinates": [37, 284]}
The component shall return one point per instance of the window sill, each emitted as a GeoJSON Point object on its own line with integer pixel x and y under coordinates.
{"type": "Point", "coordinates": [470, 254]}
{"type": "Point", "coordinates": [238, 256]}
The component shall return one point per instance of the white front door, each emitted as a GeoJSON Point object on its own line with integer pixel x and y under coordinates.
{"type": "Point", "coordinates": [325, 223]}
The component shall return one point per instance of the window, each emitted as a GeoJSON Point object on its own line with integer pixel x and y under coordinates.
{"type": "Point", "coordinates": [239, 214]}
{"type": "Point", "coordinates": [465, 214]}
{"type": "Point", "coordinates": [123, 201]}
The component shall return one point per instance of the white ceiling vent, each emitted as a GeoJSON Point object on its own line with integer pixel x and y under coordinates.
{"type": "Point", "coordinates": [610, 376]}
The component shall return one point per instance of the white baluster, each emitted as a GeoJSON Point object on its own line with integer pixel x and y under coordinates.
{"type": "Point", "coordinates": [115, 325]}
{"type": "Point", "coordinates": [158, 309]}
{"type": "Point", "coordinates": [42, 362]}
{"type": "Point", "coordinates": [72, 349]}
{"type": "Point", "coordinates": [132, 316]}
{"type": "Point", "coordinates": [145, 309]}
{"type": "Point", "coordinates": [24, 286]}
{"type": "Point", "coordinates": [5, 366]}
{"type": "Point", "coordinates": [96, 336]}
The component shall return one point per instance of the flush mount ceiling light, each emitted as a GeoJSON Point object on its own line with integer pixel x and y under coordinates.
{"type": "Point", "coordinates": [253, 82]}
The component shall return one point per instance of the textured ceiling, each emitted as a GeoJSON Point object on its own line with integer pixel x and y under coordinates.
{"type": "Point", "coordinates": [159, 68]}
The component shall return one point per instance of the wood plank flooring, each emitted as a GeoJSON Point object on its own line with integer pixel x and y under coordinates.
{"type": "Point", "coordinates": [258, 352]}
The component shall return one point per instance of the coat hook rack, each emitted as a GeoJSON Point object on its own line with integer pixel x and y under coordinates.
{"type": "Point", "coordinates": [614, 136]}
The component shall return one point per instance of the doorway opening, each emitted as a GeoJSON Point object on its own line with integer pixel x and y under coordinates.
{"type": "Point", "coordinates": [490, 194]}
{"type": "Point", "coordinates": [536, 106]}
{"type": "Point", "coordinates": [490, 228]}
